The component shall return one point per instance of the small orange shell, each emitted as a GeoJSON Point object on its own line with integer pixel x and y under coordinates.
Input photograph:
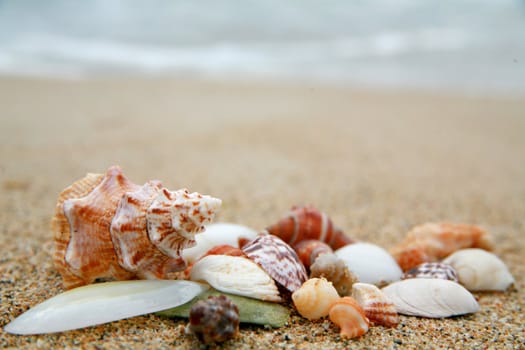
{"type": "Point", "coordinates": [308, 223]}
{"type": "Point", "coordinates": [349, 316]}
{"type": "Point", "coordinates": [433, 241]}
{"type": "Point", "coordinates": [314, 298]}
{"type": "Point", "coordinates": [309, 249]}
{"type": "Point", "coordinates": [378, 308]}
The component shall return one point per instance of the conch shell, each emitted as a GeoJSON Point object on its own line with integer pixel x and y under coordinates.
{"type": "Point", "coordinates": [433, 241]}
{"type": "Point", "coordinates": [349, 316]}
{"type": "Point", "coordinates": [314, 298]}
{"type": "Point", "coordinates": [308, 223]}
{"type": "Point", "coordinates": [108, 228]}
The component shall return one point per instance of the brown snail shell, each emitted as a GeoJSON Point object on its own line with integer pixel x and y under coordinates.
{"type": "Point", "coordinates": [108, 228]}
{"type": "Point", "coordinates": [309, 249]}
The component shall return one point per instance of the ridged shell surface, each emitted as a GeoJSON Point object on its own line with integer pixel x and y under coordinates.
{"type": "Point", "coordinates": [278, 259]}
{"type": "Point", "coordinates": [235, 275]}
{"type": "Point", "coordinates": [370, 263]}
{"type": "Point", "coordinates": [433, 298]}
{"type": "Point", "coordinates": [346, 313]}
{"type": "Point", "coordinates": [378, 308]}
{"type": "Point", "coordinates": [108, 228]}
{"type": "Point", "coordinates": [218, 234]}
{"type": "Point", "coordinates": [433, 241]}
{"type": "Point", "coordinates": [433, 270]}
{"type": "Point", "coordinates": [334, 269]}
{"type": "Point", "coordinates": [307, 222]}
{"type": "Point", "coordinates": [480, 270]}
{"type": "Point", "coordinates": [314, 298]}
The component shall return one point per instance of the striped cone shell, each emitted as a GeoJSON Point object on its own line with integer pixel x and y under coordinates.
{"type": "Point", "coordinates": [278, 259]}
{"type": "Point", "coordinates": [307, 222]}
{"type": "Point", "coordinates": [378, 308]}
{"type": "Point", "coordinates": [432, 270]}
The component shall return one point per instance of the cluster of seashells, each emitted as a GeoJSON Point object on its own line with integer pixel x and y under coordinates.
{"type": "Point", "coordinates": [108, 228]}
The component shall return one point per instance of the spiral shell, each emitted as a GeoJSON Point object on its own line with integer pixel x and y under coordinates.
{"type": "Point", "coordinates": [278, 259]}
{"type": "Point", "coordinates": [378, 308]}
{"type": "Point", "coordinates": [432, 270]}
{"type": "Point", "coordinates": [107, 227]}
{"type": "Point", "coordinates": [349, 316]}
{"type": "Point", "coordinates": [334, 270]}
{"type": "Point", "coordinates": [314, 298]}
{"type": "Point", "coordinates": [214, 320]}
{"type": "Point", "coordinates": [433, 241]}
{"type": "Point", "coordinates": [308, 250]}
{"type": "Point", "coordinates": [307, 222]}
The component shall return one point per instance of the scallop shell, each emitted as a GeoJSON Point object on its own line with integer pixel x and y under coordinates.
{"type": "Point", "coordinates": [349, 316]}
{"type": "Point", "coordinates": [432, 270]}
{"type": "Point", "coordinates": [107, 227]}
{"type": "Point", "coordinates": [218, 234]}
{"type": "Point", "coordinates": [378, 308]}
{"type": "Point", "coordinates": [278, 259]}
{"type": "Point", "coordinates": [308, 223]}
{"type": "Point", "coordinates": [314, 298]}
{"type": "Point", "coordinates": [236, 275]}
{"type": "Point", "coordinates": [370, 263]}
{"type": "Point", "coordinates": [308, 250]}
{"type": "Point", "coordinates": [433, 241]}
{"type": "Point", "coordinates": [480, 270]}
{"type": "Point", "coordinates": [334, 270]}
{"type": "Point", "coordinates": [430, 297]}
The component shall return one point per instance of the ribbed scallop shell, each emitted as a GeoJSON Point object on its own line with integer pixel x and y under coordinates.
{"type": "Point", "coordinates": [334, 269]}
{"type": "Point", "coordinates": [308, 250]}
{"type": "Point", "coordinates": [378, 308]}
{"type": "Point", "coordinates": [107, 227]}
{"type": "Point", "coordinates": [236, 275]}
{"type": "Point", "coordinates": [278, 259]}
{"type": "Point", "coordinates": [314, 298]}
{"type": "Point", "coordinates": [480, 270]}
{"type": "Point", "coordinates": [432, 270]}
{"type": "Point", "coordinates": [307, 222]}
{"type": "Point", "coordinates": [346, 313]}
{"type": "Point", "coordinates": [433, 241]}
{"type": "Point", "coordinates": [430, 297]}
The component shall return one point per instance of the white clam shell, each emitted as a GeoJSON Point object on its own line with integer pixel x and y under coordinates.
{"type": "Point", "coordinates": [430, 297]}
{"type": "Point", "coordinates": [103, 302]}
{"type": "Point", "coordinates": [478, 269]}
{"type": "Point", "coordinates": [235, 275]}
{"type": "Point", "coordinates": [370, 263]}
{"type": "Point", "coordinates": [217, 234]}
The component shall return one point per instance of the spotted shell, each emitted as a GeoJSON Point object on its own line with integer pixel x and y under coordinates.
{"type": "Point", "coordinates": [334, 269]}
{"type": "Point", "coordinates": [378, 308]}
{"type": "Point", "coordinates": [309, 249]}
{"type": "Point", "coordinates": [433, 241]}
{"type": "Point", "coordinates": [307, 222]}
{"type": "Point", "coordinates": [278, 259]}
{"type": "Point", "coordinates": [432, 270]}
{"type": "Point", "coordinates": [349, 316]}
{"type": "Point", "coordinates": [108, 228]}
{"type": "Point", "coordinates": [314, 298]}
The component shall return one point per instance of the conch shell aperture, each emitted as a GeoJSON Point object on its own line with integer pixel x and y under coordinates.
{"type": "Point", "coordinates": [108, 228]}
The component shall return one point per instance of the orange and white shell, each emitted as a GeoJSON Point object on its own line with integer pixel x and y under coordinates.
{"type": "Point", "coordinates": [349, 316]}
{"type": "Point", "coordinates": [378, 308]}
{"type": "Point", "coordinates": [334, 269]}
{"type": "Point", "coordinates": [307, 222]}
{"type": "Point", "coordinates": [309, 249]}
{"type": "Point", "coordinates": [433, 241]}
{"type": "Point", "coordinates": [108, 228]}
{"type": "Point", "coordinates": [314, 298]}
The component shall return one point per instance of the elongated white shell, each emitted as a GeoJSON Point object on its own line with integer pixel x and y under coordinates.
{"type": "Point", "coordinates": [371, 263]}
{"type": "Point", "coordinates": [478, 269]}
{"type": "Point", "coordinates": [103, 302]}
{"type": "Point", "coordinates": [235, 275]}
{"type": "Point", "coordinates": [430, 297]}
{"type": "Point", "coordinates": [217, 234]}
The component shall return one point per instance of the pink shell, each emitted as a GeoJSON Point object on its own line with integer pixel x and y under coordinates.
{"type": "Point", "coordinates": [278, 259]}
{"type": "Point", "coordinates": [107, 227]}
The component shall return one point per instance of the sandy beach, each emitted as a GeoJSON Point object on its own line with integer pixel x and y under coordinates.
{"type": "Point", "coordinates": [378, 162]}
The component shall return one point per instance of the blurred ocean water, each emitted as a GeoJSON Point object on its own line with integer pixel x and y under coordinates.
{"type": "Point", "coordinates": [460, 44]}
